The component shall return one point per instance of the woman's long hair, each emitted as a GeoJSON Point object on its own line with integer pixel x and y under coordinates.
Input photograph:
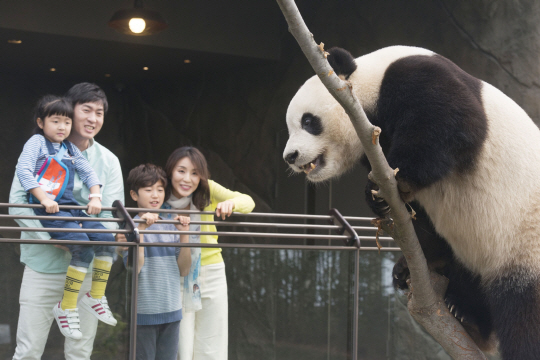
{"type": "Point", "coordinates": [201, 196]}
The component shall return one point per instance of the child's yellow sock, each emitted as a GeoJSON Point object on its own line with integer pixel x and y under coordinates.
{"type": "Point", "coordinates": [100, 276]}
{"type": "Point", "coordinates": [74, 278]}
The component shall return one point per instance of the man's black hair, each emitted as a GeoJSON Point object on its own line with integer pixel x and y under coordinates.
{"type": "Point", "coordinates": [87, 93]}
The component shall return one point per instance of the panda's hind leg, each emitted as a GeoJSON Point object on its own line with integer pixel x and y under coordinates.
{"type": "Point", "coordinates": [514, 301]}
{"type": "Point", "coordinates": [467, 301]}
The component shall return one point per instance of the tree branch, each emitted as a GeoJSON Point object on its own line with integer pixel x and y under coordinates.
{"type": "Point", "coordinates": [426, 302]}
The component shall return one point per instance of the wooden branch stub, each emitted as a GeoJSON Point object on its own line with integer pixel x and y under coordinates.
{"type": "Point", "coordinates": [375, 134]}
{"type": "Point", "coordinates": [321, 47]}
{"type": "Point", "coordinates": [413, 213]}
{"type": "Point", "coordinates": [386, 224]}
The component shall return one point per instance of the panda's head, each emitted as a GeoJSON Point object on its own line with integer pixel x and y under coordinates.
{"type": "Point", "coordinates": [322, 140]}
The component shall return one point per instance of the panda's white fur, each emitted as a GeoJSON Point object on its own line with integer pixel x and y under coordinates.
{"type": "Point", "coordinates": [489, 214]}
{"type": "Point", "coordinates": [492, 216]}
{"type": "Point", "coordinates": [493, 204]}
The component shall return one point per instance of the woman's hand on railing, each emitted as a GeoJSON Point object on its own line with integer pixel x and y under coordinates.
{"type": "Point", "coordinates": [225, 209]}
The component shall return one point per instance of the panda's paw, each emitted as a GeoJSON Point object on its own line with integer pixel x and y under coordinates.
{"type": "Point", "coordinates": [377, 204]}
{"type": "Point", "coordinates": [400, 274]}
{"type": "Point", "coordinates": [455, 310]}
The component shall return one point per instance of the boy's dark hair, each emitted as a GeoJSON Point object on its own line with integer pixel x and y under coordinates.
{"type": "Point", "coordinates": [146, 175]}
{"type": "Point", "coordinates": [201, 195]}
{"type": "Point", "coordinates": [87, 93]}
{"type": "Point", "coordinates": [50, 105]}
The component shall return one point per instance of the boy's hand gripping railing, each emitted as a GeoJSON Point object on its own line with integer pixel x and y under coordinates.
{"type": "Point", "coordinates": [346, 228]}
{"type": "Point", "coordinates": [133, 264]}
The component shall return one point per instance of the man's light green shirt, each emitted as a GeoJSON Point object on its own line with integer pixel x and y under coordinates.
{"type": "Point", "coordinates": [47, 258]}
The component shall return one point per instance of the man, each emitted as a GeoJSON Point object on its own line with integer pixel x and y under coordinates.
{"type": "Point", "coordinates": [46, 265]}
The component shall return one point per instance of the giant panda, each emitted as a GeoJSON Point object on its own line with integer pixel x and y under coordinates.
{"type": "Point", "coordinates": [467, 155]}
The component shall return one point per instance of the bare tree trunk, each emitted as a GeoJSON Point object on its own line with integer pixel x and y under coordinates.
{"type": "Point", "coordinates": [426, 299]}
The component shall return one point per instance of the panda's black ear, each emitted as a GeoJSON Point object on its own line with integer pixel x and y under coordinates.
{"type": "Point", "coordinates": [341, 61]}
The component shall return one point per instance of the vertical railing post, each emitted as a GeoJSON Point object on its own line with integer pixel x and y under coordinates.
{"type": "Point", "coordinates": [356, 302]}
{"type": "Point", "coordinates": [132, 264]}
{"type": "Point", "coordinates": [346, 228]}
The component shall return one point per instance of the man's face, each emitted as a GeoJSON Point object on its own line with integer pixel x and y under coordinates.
{"type": "Point", "coordinates": [88, 119]}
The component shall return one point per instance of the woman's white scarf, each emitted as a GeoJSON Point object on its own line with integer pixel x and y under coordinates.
{"type": "Point", "coordinates": [191, 301]}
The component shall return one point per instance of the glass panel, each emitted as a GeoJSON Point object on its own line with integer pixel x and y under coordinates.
{"type": "Point", "coordinates": [289, 304]}
{"type": "Point", "coordinates": [110, 342]}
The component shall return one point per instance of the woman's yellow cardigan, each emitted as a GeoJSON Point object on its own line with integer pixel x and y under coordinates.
{"type": "Point", "coordinates": [242, 203]}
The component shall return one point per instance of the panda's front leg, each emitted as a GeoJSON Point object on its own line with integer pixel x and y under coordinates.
{"type": "Point", "coordinates": [378, 205]}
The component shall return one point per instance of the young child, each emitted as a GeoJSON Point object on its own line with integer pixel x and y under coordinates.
{"type": "Point", "coordinates": [159, 300]}
{"type": "Point", "coordinates": [46, 170]}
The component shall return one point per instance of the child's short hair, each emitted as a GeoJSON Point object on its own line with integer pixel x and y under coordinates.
{"type": "Point", "coordinates": [50, 105]}
{"type": "Point", "coordinates": [85, 92]}
{"type": "Point", "coordinates": [146, 175]}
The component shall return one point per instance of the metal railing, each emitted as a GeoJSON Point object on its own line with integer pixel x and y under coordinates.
{"type": "Point", "coordinates": [346, 233]}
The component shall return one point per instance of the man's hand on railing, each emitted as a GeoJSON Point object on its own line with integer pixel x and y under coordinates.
{"type": "Point", "coordinates": [63, 247]}
{"type": "Point", "coordinates": [121, 238]}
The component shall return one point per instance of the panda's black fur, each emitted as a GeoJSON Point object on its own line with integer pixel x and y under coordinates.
{"type": "Point", "coordinates": [458, 143]}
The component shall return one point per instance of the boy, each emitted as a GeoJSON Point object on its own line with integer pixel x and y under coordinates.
{"type": "Point", "coordinates": [46, 265]}
{"type": "Point", "coordinates": [159, 301]}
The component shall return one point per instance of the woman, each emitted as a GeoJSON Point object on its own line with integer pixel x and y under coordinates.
{"type": "Point", "coordinates": [204, 333]}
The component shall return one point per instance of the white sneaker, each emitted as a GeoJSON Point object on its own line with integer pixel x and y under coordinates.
{"type": "Point", "coordinates": [68, 321]}
{"type": "Point", "coordinates": [98, 307]}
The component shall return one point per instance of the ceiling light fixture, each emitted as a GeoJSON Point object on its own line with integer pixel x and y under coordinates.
{"type": "Point", "coordinates": [14, 41]}
{"type": "Point", "coordinates": [138, 21]}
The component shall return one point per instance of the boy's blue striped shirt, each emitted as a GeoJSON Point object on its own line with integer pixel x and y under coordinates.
{"type": "Point", "coordinates": [159, 298]}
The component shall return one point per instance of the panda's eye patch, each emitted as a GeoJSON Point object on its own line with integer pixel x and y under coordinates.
{"type": "Point", "coordinates": [312, 124]}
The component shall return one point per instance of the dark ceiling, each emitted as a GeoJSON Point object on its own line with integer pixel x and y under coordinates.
{"type": "Point", "coordinates": [63, 35]}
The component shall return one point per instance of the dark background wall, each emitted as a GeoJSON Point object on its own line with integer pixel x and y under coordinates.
{"type": "Point", "coordinates": [232, 101]}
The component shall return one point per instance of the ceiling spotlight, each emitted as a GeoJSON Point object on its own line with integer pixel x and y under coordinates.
{"type": "Point", "coordinates": [137, 25]}
{"type": "Point", "coordinates": [107, 75]}
{"type": "Point", "coordinates": [14, 41]}
{"type": "Point", "coordinates": [187, 61]}
{"type": "Point", "coordinates": [137, 21]}
{"type": "Point", "coordinates": [145, 68]}
{"type": "Point", "coordinates": [52, 69]}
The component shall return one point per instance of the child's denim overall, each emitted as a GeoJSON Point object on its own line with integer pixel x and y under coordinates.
{"type": "Point", "coordinates": [81, 255]}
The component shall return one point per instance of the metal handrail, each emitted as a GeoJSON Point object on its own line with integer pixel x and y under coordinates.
{"type": "Point", "coordinates": [341, 225]}
{"type": "Point", "coordinates": [196, 245]}
{"type": "Point", "coordinates": [220, 223]}
{"type": "Point", "coordinates": [252, 214]}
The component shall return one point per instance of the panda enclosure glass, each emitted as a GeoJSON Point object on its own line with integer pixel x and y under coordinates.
{"type": "Point", "coordinates": [283, 304]}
